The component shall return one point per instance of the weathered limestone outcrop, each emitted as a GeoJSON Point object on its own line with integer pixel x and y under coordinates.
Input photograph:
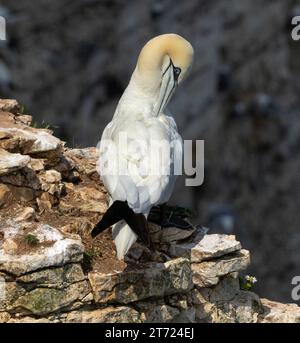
{"type": "Point", "coordinates": [146, 281]}
{"type": "Point", "coordinates": [51, 270]}
{"type": "Point", "coordinates": [48, 248]}
{"type": "Point", "coordinates": [275, 312]}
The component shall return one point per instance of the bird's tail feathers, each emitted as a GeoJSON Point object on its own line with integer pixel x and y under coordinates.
{"type": "Point", "coordinates": [123, 237]}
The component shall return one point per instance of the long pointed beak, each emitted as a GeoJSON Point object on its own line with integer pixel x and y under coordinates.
{"type": "Point", "coordinates": [168, 86]}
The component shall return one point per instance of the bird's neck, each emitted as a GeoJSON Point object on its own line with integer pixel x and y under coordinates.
{"type": "Point", "coordinates": [140, 96]}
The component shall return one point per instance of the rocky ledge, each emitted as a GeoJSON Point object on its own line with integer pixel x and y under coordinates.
{"type": "Point", "coordinates": [51, 270]}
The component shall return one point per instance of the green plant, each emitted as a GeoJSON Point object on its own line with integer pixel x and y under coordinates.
{"type": "Point", "coordinates": [89, 254]}
{"type": "Point", "coordinates": [247, 282]}
{"type": "Point", "coordinates": [31, 240]}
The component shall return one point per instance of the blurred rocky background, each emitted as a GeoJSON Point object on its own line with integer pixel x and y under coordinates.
{"type": "Point", "coordinates": [68, 62]}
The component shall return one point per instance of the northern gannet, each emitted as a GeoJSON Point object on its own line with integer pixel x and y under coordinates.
{"type": "Point", "coordinates": [141, 118]}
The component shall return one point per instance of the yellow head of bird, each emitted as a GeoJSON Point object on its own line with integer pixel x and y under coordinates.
{"type": "Point", "coordinates": [162, 64]}
{"type": "Point", "coordinates": [163, 49]}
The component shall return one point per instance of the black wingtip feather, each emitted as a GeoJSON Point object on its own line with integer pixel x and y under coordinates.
{"type": "Point", "coordinates": [120, 210]}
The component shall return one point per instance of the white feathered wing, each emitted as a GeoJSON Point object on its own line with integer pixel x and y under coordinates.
{"type": "Point", "coordinates": [130, 143]}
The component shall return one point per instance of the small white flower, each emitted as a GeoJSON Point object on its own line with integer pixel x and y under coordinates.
{"type": "Point", "coordinates": [251, 279]}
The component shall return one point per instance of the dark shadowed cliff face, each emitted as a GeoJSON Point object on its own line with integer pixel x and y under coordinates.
{"type": "Point", "coordinates": [68, 62]}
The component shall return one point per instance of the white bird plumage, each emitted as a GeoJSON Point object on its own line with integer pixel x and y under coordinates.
{"type": "Point", "coordinates": [141, 115]}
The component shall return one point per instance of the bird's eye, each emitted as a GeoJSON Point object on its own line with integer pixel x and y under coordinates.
{"type": "Point", "coordinates": [177, 71]}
